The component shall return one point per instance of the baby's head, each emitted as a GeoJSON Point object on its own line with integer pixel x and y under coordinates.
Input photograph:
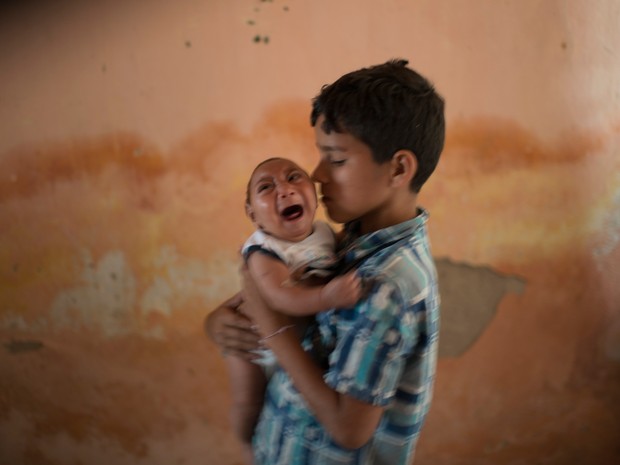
{"type": "Point", "coordinates": [281, 200]}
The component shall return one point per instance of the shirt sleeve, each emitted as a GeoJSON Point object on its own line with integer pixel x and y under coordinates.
{"type": "Point", "coordinates": [374, 347]}
{"type": "Point", "coordinates": [258, 248]}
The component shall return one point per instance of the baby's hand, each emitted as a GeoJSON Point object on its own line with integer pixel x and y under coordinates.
{"type": "Point", "coordinates": [342, 291]}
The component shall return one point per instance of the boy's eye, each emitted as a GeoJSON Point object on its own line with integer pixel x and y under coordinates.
{"type": "Point", "coordinates": [337, 162]}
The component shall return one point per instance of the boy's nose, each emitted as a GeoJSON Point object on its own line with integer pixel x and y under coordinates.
{"type": "Point", "coordinates": [318, 173]}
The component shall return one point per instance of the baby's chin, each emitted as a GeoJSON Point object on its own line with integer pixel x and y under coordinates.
{"type": "Point", "coordinates": [295, 234]}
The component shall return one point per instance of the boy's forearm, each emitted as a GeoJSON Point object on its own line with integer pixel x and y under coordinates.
{"type": "Point", "coordinates": [350, 422]}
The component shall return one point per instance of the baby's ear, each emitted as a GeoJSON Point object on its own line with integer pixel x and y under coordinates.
{"type": "Point", "coordinates": [249, 212]}
{"type": "Point", "coordinates": [404, 167]}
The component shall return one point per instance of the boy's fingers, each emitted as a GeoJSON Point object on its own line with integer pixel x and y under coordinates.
{"type": "Point", "coordinates": [237, 340]}
{"type": "Point", "coordinates": [240, 354]}
{"type": "Point", "coordinates": [240, 320]}
{"type": "Point", "coordinates": [242, 332]}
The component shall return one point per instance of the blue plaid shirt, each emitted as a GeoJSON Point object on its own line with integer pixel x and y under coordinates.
{"type": "Point", "coordinates": [383, 351]}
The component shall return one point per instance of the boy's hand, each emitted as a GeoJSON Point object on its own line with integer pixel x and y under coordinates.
{"type": "Point", "coordinates": [342, 291]}
{"type": "Point", "coordinates": [232, 331]}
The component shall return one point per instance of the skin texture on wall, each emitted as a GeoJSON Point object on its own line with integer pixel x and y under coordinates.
{"type": "Point", "coordinates": [127, 135]}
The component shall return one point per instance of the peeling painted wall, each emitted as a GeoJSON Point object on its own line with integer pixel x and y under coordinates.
{"type": "Point", "coordinates": [128, 131]}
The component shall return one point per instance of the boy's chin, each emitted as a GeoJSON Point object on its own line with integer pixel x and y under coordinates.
{"type": "Point", "coordinates": [337, 217]}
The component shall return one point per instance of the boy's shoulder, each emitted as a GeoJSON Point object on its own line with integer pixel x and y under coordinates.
{"type": "Point", "coordinates": [406, 266]}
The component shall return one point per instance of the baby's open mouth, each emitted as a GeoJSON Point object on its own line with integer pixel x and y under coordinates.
{"type": "Point", "coordinates": [292, 213]}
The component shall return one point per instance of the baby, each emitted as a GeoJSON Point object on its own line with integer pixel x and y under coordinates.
{"type": "Point", "coordinates": [290, 256]}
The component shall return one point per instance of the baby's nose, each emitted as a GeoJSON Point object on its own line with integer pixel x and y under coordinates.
{"type": "Point", "coordinates": [284, 191]}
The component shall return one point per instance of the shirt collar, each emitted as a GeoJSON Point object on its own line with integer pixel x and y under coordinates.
{"type": "Point", "coordinates": [355, 248]}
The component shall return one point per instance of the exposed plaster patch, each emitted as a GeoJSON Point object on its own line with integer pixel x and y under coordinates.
{"type": "Point", "coordinates": [611, 235]}
{"type": "Point", "coordinates": [180, 278]}
{"type": "Point", "coordinates": [104, 300]}
{"type": "Point", "coordinates": [157, 297]}
{"type": "Point", "coordinates": [470, 296]}
{"type": "Point", "coordinates": [107, 298]}
{"type": "Point", "coordinates": [11, 320]}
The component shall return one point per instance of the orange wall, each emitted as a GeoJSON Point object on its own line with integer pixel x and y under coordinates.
{"type": "Point", "coordinates": [128, 130]}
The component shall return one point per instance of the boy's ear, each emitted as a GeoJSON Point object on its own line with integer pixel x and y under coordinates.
{"type": "Point", "coordinates": [404, 167]}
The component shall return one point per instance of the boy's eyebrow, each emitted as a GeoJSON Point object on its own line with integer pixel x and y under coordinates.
{"type": "Point", "coordinates": [331, 148]}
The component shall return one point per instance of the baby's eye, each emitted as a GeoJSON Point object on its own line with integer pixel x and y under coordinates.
{"type": "Point", "coordinates": [294, 176]}
{"type": "Point", "coordinates": [263, 187]}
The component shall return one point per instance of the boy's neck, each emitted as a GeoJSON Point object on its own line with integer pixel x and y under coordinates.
{"type": "Point", "coordinates": [397, 211]}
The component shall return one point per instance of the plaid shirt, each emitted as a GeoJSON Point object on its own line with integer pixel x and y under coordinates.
{"type": "Point", "coordinates": [383, 351]}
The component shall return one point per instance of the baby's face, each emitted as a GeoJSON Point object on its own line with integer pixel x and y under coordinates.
{"type": "Point", "coordinates": [282, 200]}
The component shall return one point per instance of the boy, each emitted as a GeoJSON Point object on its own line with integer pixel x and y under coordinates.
{"type": "Point", "coordinates": [287, 253]}
{"type": "Point", "coordinates": [380, 132]}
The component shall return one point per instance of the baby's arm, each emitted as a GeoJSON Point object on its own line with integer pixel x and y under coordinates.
{"type": "Point", "coordinates": [273, 277]}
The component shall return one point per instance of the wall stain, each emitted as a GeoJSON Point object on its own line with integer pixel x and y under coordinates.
{"type": "Point", "coordinates": [118, 177]}
{"type": "Point", "coordinates": [30, 169]}
{"type": "Point", "coordinates": [113, 252]}
{"type": "Point", "coordinates": [261, 38]}
{"type": "Point", "coordinates": [490, 145]}
{"type": "Point", "coordinates": [21, 346]}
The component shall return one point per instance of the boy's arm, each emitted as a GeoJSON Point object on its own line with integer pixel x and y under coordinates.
{"type": "Point", "coordinates": [273, 280]}
{"type": "Point", "coordinates": [349, 421]}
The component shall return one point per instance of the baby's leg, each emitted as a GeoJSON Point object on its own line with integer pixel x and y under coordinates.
{"type": "Point", "coordinates": [247, 384]}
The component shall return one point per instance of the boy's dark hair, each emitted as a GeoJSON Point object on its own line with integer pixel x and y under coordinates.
{"type": "Point", "coordinates": [389, 107]}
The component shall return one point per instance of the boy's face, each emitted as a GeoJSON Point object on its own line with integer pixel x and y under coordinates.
{"type": "Point", "coordinates": [353, 185]}
{"type": "Point", "coordinates": [282, 200]}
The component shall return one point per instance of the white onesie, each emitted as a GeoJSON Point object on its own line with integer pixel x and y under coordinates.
{"type": "Point", "coordinates": [314, 256]}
